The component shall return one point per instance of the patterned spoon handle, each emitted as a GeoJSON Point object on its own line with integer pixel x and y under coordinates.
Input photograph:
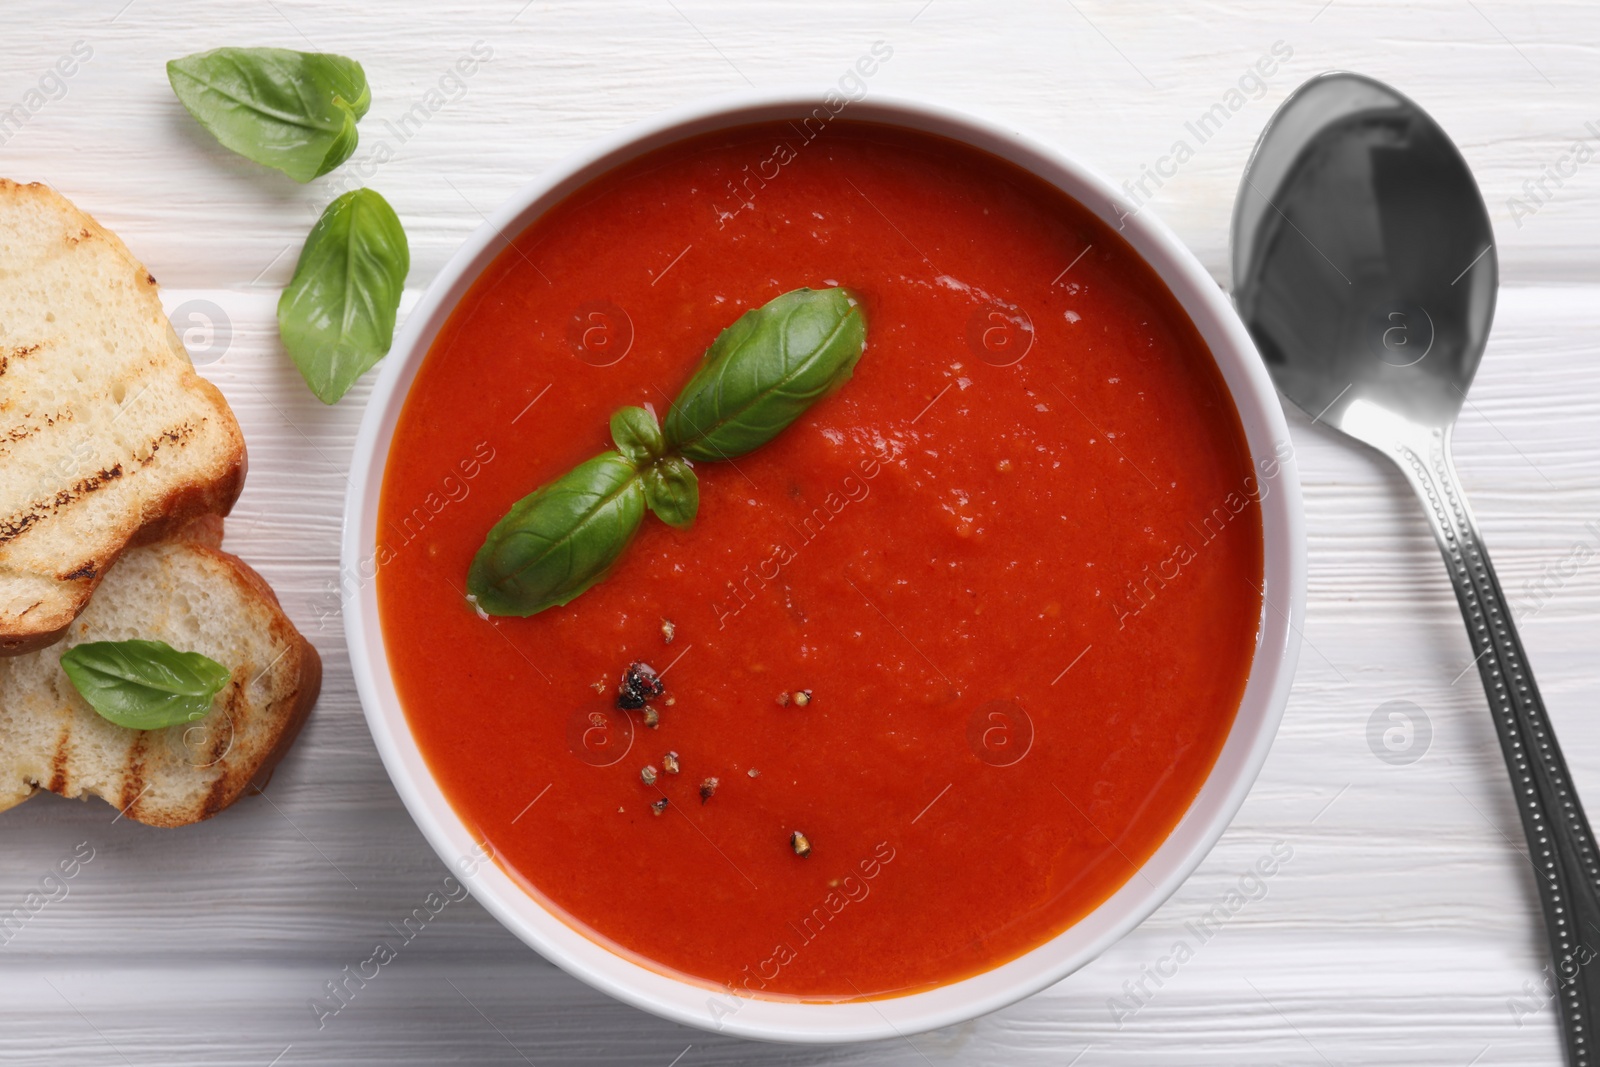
{"type": "Point", "coordinates": [1561, 847]}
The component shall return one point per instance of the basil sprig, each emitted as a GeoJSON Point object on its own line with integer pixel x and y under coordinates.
{"type": "Point", "coordinates": [764, 371]}
{"type": "Point", "coordinates": [337, 316]}
{"type": "Point", "coordinates": [759, 375]}
{"type": "Point", "coordinates": [293, 111]}
{"type": "Point", "coordinates": [144, 685]}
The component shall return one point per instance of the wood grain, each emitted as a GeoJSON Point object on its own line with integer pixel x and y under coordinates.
{"type": "Point", "coordinates": [1405, 926]}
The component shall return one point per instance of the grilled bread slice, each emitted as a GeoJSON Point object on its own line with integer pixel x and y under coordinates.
{"type": "Point", "coordinates": [187, 592]}
{"type": "Point", "coordinates": [108, 437]}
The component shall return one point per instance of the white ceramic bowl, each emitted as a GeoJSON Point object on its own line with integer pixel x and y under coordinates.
{"type": "Point", "coordinates": [682, 1001]}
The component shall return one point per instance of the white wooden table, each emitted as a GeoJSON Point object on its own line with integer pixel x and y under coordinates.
{"type": "Point", "coordinates": [1405, 929]}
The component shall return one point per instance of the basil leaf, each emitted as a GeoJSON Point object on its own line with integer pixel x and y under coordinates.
{"type": "Point", "coordinates": [293, 111]}
{"type": "Point", "coordinates": [672, 491]}
{"type": "Point", "coordinates": [144, 685]}
{"type": "Point", "coordinates": [336, 317]}
{"type": "Point", "coordinates": [558, 540]}
{"type": "Point", "coordinates": [765, 370]}
{"type": "Point", "coordinates": [637, 435]}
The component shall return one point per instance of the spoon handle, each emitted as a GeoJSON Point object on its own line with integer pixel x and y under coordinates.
{"type": "Point", "coordinates": [1560, 844]}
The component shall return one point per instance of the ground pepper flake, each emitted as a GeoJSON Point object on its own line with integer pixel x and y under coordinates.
{"type": "Point", "coordinates": [669, 763]}
{"type": "Point", "coordinates": [648, 775]}
{"type": "Point", "coordinates": [801, 697]}
{"type": "Point", "coordinates": [708, 789]}
{"type": "Point", "coordinates": [800, 843]}
{"type": "Point", "coordinates": [668, 631]}
{"type": "Point", "coordinates": [658, 806]}
{"type": "Point", "coordinates": [638, 687]}
{"type": "Point", "coordinates": [652, 718]}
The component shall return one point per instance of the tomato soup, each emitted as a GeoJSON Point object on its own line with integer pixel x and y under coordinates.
{"type": "Point", "coordinates": [976, 626]}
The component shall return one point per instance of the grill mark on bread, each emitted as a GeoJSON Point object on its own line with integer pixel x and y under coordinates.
{"type": "Point", "coordinates": [223, 787]}
{"type": "Point", "coordinates": [217, 797]}
{"type": "Point", "coordinates": [88, 570]}
{"type": "Point", "coordinates": [177, 435]}
{"type": "Point", "coordinates": [19, 352]}
{"type": "Point", "coordinates": [58, 766]}
{"type": "Point", "coordinates": [220, 742]}
{"type": "Point", "coordinates": [22, 431]}
{"type": "Point", "coordinates": [19, 523]}
{"type": "Point", "coordinates": [133, 782]}
{"type": "Point", "coordinates": [11, 530]}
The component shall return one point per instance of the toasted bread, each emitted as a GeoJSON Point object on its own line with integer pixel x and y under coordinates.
{"type": "Point", "coordinates": [187, 592]}
{"type": "Point", "coordinates": [108, 437]}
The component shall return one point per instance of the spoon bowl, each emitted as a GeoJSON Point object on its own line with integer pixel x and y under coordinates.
{"type": "Point", "coordinates": [1363, 258]}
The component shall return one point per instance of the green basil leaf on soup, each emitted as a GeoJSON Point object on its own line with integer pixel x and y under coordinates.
{"type": "Point", "coordinates": [144, 685]}
{"type": "Point", "coordinates": [558, 540]}
{"type": "Point", "coordinates": [671, 491]}
{"type": "Point", "coordinates": [637, 435]}
{"type": "Point", "coordinates": [293, 111]}
{"type": "Point", "coordinates": [337, 316]}
{"type": "Point", "coordinates": [765, 370]}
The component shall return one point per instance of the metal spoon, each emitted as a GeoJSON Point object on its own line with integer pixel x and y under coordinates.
{"type": "Point", "coordinates": [1364, 266]}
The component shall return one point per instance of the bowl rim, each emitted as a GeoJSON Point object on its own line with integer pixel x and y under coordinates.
{"type": "Point", "coordinates": [1229, 781]}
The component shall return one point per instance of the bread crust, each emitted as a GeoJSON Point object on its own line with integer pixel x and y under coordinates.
{"type": "Point", "coordinates": [152, 518]}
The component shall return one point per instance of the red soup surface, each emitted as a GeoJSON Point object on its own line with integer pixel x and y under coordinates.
{"type": "Point", "coordinates": [1013, 561]}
